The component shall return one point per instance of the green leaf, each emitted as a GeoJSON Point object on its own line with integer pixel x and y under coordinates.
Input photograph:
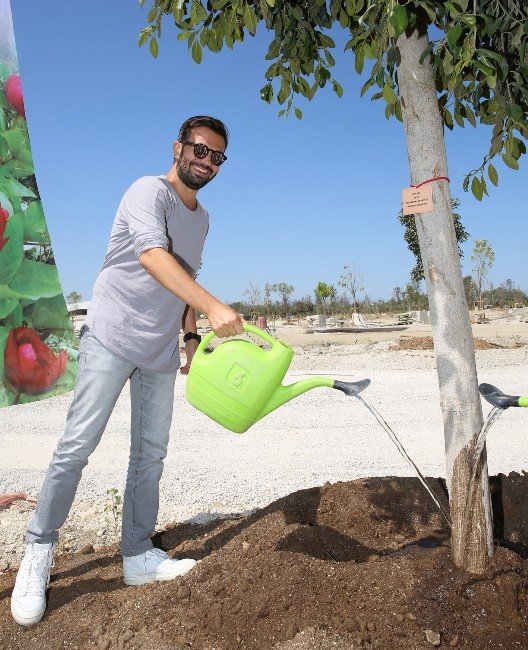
{"type": "Point", "coordinates": [477, 189]}
{"type": "Point", "coordinates": [338, 89]}
{"type": "Point", "coordinates": [266, 93]}
{"type": "Point", "coordinates": [359, 61]}
{"type": "Point", "coordinates": [4, 146]}
{"type": "Point", "coordinates": [298, 113]}
{"type": "Point", "coordinates": [184, 35]}
{"type": "Point", "coordinates": [274, 49]}
{"type": "Point", "coordinates": [50, 313]}
{"type": "Point", "coordinates": [35, 228]}
{"type": "Point", "coordinates": [18, 168]}
{"type": "Point", "coordinates": [326, 41]}
{"type": "Point", "coordinates": [510, 161]}
{"type": "Point", "coordinates": [399, 19]}
{"type": "Point", "coordinates": [197, 52]}
{"type": "Point", "coordinates": [492, 174]}
{"type": "Point", "coordinates": [389, 95]}
{"type": "Point", "coordinates": [453, 34]}
{"type": "Point", "coordinates": [16, 141]}
{"type": "Point", "coordinates": [12, 187]}
{"type": "Point", "coordinates": [514, 111]}
{"type": "Point", "coordinates": [8, 301]}
{"type": "Point", "coordinates": [250, 19]}
{"type": "Point", "coordinates": [154, 47]}
{"type": "Point", "coordinates": [284, 92]}
{"type": "Point", "coordinates": [36, 280]}
{"type": "Point", "coordinates": [271, 3]}
{"type": "Point", "coordinates": [12, 253]}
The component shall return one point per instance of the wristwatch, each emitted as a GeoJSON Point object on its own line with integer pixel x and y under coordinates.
{"type": "Point", "coordinates": [191, 335]}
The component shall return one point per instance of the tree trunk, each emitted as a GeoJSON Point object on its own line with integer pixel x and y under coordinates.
{"type": "Point", "coordinates": [452, 335]}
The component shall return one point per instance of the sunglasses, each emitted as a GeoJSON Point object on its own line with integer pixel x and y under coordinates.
{"type": "Point", "coordinates": [201, 151]}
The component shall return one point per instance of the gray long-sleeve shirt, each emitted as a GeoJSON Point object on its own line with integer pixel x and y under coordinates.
{"type": "Point", "coordinates": [131, 314]}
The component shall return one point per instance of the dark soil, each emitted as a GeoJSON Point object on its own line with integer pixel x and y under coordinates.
{"type": "Point", "coordinates": [426, 343]}
{"type": "Point", "coordinates": [364, 564]}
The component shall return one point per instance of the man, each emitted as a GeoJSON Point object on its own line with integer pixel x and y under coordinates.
{"type": "Point", "coordinates": [144, 293]}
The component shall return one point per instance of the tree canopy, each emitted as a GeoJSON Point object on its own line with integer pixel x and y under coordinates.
{"type": "Point", "coordinates": [478, 51]}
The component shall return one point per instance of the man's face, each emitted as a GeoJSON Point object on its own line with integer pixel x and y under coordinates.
{"type": "Point", "coordinates": [192, 171]}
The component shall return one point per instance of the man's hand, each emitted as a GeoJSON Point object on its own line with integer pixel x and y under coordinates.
{"type": "Point", "coordinates": [224, 321]}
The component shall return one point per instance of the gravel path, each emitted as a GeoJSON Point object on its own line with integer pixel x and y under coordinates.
{"type": "Point", "coordinates": [321, 436]}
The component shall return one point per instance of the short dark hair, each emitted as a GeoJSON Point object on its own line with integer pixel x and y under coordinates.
{"type": "Point", "coordinates": [202, 120]}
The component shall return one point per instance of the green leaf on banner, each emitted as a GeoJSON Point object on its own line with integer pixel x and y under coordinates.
{"type": "Point", "coordinates": [35, 228]}
{"type": "Point", "coordinates": [36, 280]}
{"type": "Point", "coordinates": [12, 187]}
{"type": "Point", "coordinates": [4, 148]}
{"type": "Point", "coordinates": [12, 253]}
{"type": "Point", "coordinates": [6, 68]}
{"type": "Point", "coordinates": [19, 168]}
{"type": "Point", "coordinates": [4, 331]}
{"type": "Point", "coordinates": [49, 313]}
{"type": "Point", "coordinates": [8, 301]}
{"type": "Point", "coordinates": [16, 141]}
{"type": "Point", "coordinates": [5, 203]}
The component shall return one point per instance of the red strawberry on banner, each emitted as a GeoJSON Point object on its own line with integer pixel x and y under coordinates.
{"type": "Point", "coordinates": [30, 365]}
{"type": "Point", "coordinates": [13, 93]}
{"type": "Point", "coordinates": [4, 216]}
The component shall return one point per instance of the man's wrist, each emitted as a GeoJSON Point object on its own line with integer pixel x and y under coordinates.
{"type": "Point", "coordinates": [191, 336]}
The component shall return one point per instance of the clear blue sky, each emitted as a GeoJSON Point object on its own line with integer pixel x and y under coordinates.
{"type": "Point", "coordinates": [295, 201]}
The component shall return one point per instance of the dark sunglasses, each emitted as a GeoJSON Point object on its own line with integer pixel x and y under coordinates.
{"type": "Point", "coordinates": [201, 151]}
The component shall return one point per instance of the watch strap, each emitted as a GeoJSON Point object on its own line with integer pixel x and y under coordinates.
{"type": "Point", "coordinates": [191, 335]}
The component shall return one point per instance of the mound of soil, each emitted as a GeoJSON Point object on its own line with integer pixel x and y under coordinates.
{"type": "Point", "coordinates": [364, 564]}
{"type": "Point", "coordinates": [426, 343]}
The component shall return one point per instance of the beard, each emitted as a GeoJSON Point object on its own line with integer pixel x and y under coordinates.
{"type": "Point", "coordinates": [189, 178]}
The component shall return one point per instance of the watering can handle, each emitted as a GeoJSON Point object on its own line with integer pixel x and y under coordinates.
{"type": "Point", "coordinates": [248, 328]}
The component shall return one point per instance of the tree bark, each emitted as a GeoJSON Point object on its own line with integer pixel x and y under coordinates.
{"type": "Point", "coordinates": [452, 335]}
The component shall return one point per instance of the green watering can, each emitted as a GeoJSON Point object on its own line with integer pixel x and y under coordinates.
{"type": "Point", "coordinates": [238, 383]}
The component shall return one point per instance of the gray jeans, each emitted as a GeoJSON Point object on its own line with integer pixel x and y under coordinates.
{"type": "Point", "coordinates": [100, 379]}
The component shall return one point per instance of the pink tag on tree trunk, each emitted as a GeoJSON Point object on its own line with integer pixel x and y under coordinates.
{"type": "Point", "coordinates": [417, 199]}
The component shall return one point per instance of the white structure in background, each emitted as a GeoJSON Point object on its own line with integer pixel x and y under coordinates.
{"type": "Point", "coordinates": [77, 313]}
{"type": "Point", "coordinates": [421, 316]}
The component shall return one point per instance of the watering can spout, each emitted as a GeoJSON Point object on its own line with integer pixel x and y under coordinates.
{"type": "Point", "coordinates": [284, 394]}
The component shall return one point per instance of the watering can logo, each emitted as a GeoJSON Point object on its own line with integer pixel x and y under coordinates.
{"type": "Point", "coordinates": [238, 377]}
{"type": "Point", "coordinates": [239, 382]}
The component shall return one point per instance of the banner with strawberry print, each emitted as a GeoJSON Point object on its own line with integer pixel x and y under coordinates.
{"type": "Point", "coordinates": [38, 348]}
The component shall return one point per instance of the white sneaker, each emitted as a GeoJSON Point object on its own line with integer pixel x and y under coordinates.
{"type": "Point", "coordinates": [28, 600]}
{"type": "Point", "coordinates": [152, 565]}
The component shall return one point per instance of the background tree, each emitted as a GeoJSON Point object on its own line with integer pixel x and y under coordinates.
{"type": "Point", "coordinates": [476, 69]}
{"type": "Point", "coordinates": [324, 292]}
{"type": "Point", "coordinates": [267, 298]}
{"type": "Point", "coordinates": [469, 290]}
{"type": "Point", "coordinates": [351, 281]}
{"type": "Point", "coordinates": [482, 258]}
{"type": "Point", "coordinates": [414, 298]}
{"type": "Point", "coordinates": [285, 290]}
{"type": "Point", "coordinates": [253, 295]}
{"type": "Point", "coordinates": [397, 294]}
{"type": "Point", "coordinates": [72, 300]}
{"type": "Point", "coordinates": [411, 237]}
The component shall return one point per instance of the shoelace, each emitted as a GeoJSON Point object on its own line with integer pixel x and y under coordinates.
{"type": "Point", "coordinates": [157, 552]}
{"type": "Point", "coordinates": [33, 569]}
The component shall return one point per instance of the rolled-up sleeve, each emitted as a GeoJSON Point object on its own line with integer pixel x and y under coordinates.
{"type": "Point", "coordinates": [145, 207]}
